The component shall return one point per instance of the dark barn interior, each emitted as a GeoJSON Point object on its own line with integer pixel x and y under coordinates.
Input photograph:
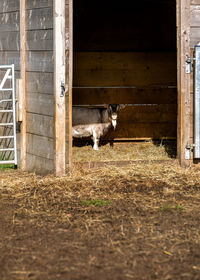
{"type": "Point", "coordinates": [125, 53]}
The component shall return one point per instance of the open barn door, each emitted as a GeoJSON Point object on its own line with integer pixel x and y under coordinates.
{"type": "Point", "coordinates": [183, 48]}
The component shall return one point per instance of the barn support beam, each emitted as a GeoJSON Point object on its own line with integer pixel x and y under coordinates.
{"type": "Point", "coordinates": [70, 70]}
{"type": "Point", "coordinates": [183, 49]}
{"type": "Point", "coordinates": [59, 88]}
{"type": "Point", "coordinates": [22, 84]}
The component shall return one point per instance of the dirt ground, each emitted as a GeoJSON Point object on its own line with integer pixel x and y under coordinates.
{"type": "Point", "coordinates": [140, 221]}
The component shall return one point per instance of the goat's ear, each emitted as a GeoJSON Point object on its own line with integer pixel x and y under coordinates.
{"type": "Point", "coordinates": [109, 107]}
{"type": "Point", "coordinates": [122, 106]}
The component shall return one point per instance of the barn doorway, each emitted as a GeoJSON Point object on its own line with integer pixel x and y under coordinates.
{"type": "Point", "coordinates": [126, 54]}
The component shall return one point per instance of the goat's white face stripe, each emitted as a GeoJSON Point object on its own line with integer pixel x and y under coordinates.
{"type": "Point", "coordinates": [114, 120]}
{"type": "Point", "coordinates": [114, 123]}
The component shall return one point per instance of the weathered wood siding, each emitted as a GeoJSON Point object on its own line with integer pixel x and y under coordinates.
{"type": "Point", "coordinates": [9, 33]}
{"type": "Point", "coordinates": [39, 81]}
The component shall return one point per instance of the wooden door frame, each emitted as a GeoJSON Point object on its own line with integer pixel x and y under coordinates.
{"type": "Point", "coordinates": [70, 76]}
{"type": "Point", "coordinates": [59, 83]}
{"type": "Point", "coordinates": [183, 80]}
{"type": "Point", "coordinates": [63, 75]}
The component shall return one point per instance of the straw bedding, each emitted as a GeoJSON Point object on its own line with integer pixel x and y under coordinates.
{"type": "Point", "coordinates": [140, 221]}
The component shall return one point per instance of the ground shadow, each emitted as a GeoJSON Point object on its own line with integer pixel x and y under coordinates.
{"type": "Point", "coordinates": [89, 142]}
{"type": "Point", "coordinates": [169, 145]}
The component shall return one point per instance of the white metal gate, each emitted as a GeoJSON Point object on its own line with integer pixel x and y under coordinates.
{"type": "Point", "coordinates": [8, 149]}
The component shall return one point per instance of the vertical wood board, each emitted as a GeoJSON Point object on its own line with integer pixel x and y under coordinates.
{"type": "Point", "coordinates": [59, 80]}
{"type": "Point", "coordinates": [23, 138]}
{"type": "Point", "coordinates": [184, 80]}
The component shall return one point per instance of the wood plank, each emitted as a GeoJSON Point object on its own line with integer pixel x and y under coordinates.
{"type": "Point", "coordinates": [31, 4]}
{"type": "Point", "coordinates": [40, 125]}
{"type": "Point", "coordinates": [195, 16]}
{"type": "Point", "coordinates": [195, 2]}
{"type": "Point", "coordinates": [9, 22]}
{"type": "Point", "coordinates": [123, 60]}
{"type": "Point", "coordinates": [153, 114]}
{"type": "Point", "coordinates": [143, 130]}
{"type": "Point", "coordinates": [40, 40]}
{"type": "Point", "coordinates": [68, 26]}
{"type": "Point", "coordinates": [124, 69]}
{"type": "Point", "coordinates": [41, 104]}
{"type": "Point", "coordinates": [184, 81]}
{"type": "Point", "coordinates": [10, 41]}
{"type": "Point", "coordinates": [19, 98]}
{"type": "Point", "coordinates": [59, 79]}
{"type": "Point", "coordinates": [194, 36]}
{"type": "Point", "coordinates": [179, 106]}
{"type": "Point", "coordinates": [39, 19]}
{"type": "Point", "coordinates": [9, 6]}
{"type": "Point", "coordinates": [10, 57]}
{"type": "Point", "coordinates": [40, 146]}
{"type": "Point", "coordinates": [39, 165]}
{"type": "Point", "coordinates": [69, 71]}
{"type": "Point", "coordinates": [40, 61]}
{"type": "Point", "coordinates": [22, 104]}
{"type": "Point", "coordinates": [40, 82]}
{"type": "Point", "coordinates": [82, 96]}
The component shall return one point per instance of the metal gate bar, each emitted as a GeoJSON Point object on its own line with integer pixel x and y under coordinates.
{"type": "Point", "coordinates": [8, 146]}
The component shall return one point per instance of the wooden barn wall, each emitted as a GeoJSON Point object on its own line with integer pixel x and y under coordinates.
{"type": "Point", "coordinates": [194, 40]}
{"type": "Point", "coordinates": [128, 61]}
{"type": "Point", "coordinates": [9, 50]}
{"type": "Point", "coordinates": [39, 81]}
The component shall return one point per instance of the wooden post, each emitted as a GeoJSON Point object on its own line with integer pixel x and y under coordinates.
{"type": "Point", "coordinates": [59, 91]}
{"type": "Point", "coordinates": [70, 79]}
{"type": "Point", "coordinates": [22, 89]}
{"type": "Point", "coordinates": [183, 45]}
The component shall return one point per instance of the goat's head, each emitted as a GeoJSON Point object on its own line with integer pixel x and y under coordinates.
{"type": "Point", "coordinates": [113, 110]}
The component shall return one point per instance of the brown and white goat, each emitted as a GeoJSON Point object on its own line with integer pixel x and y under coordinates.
{"type": "Point", "coordinates": [95, 123]}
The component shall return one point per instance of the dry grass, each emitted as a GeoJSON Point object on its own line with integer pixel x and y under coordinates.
{"type": "Point", "coordinates": [126, 151]}
{"type": "Point", "coordinates": [39, 191]}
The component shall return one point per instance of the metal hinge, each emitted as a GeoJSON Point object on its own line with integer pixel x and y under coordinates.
{"type": "Point", "coordinates": [62, 93]}
{"type": "Point", "coordinates": [188, 64]}
{"type": "Point", "coordinates": [188, 151]}
{"type": "Point", "coordinates": [189, 148]}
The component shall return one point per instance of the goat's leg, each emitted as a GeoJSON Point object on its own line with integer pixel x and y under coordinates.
{"type": "Point", "coordinates": [96, 141]}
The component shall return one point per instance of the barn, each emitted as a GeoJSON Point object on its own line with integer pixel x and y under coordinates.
{"type": "Point", "coordinates": [91, 53]}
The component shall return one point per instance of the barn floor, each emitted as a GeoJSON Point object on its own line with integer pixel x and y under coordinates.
{"type": "Point", "coordinates": [135, 222]}
{"type": "Point", "coordinates": [125, 151]}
